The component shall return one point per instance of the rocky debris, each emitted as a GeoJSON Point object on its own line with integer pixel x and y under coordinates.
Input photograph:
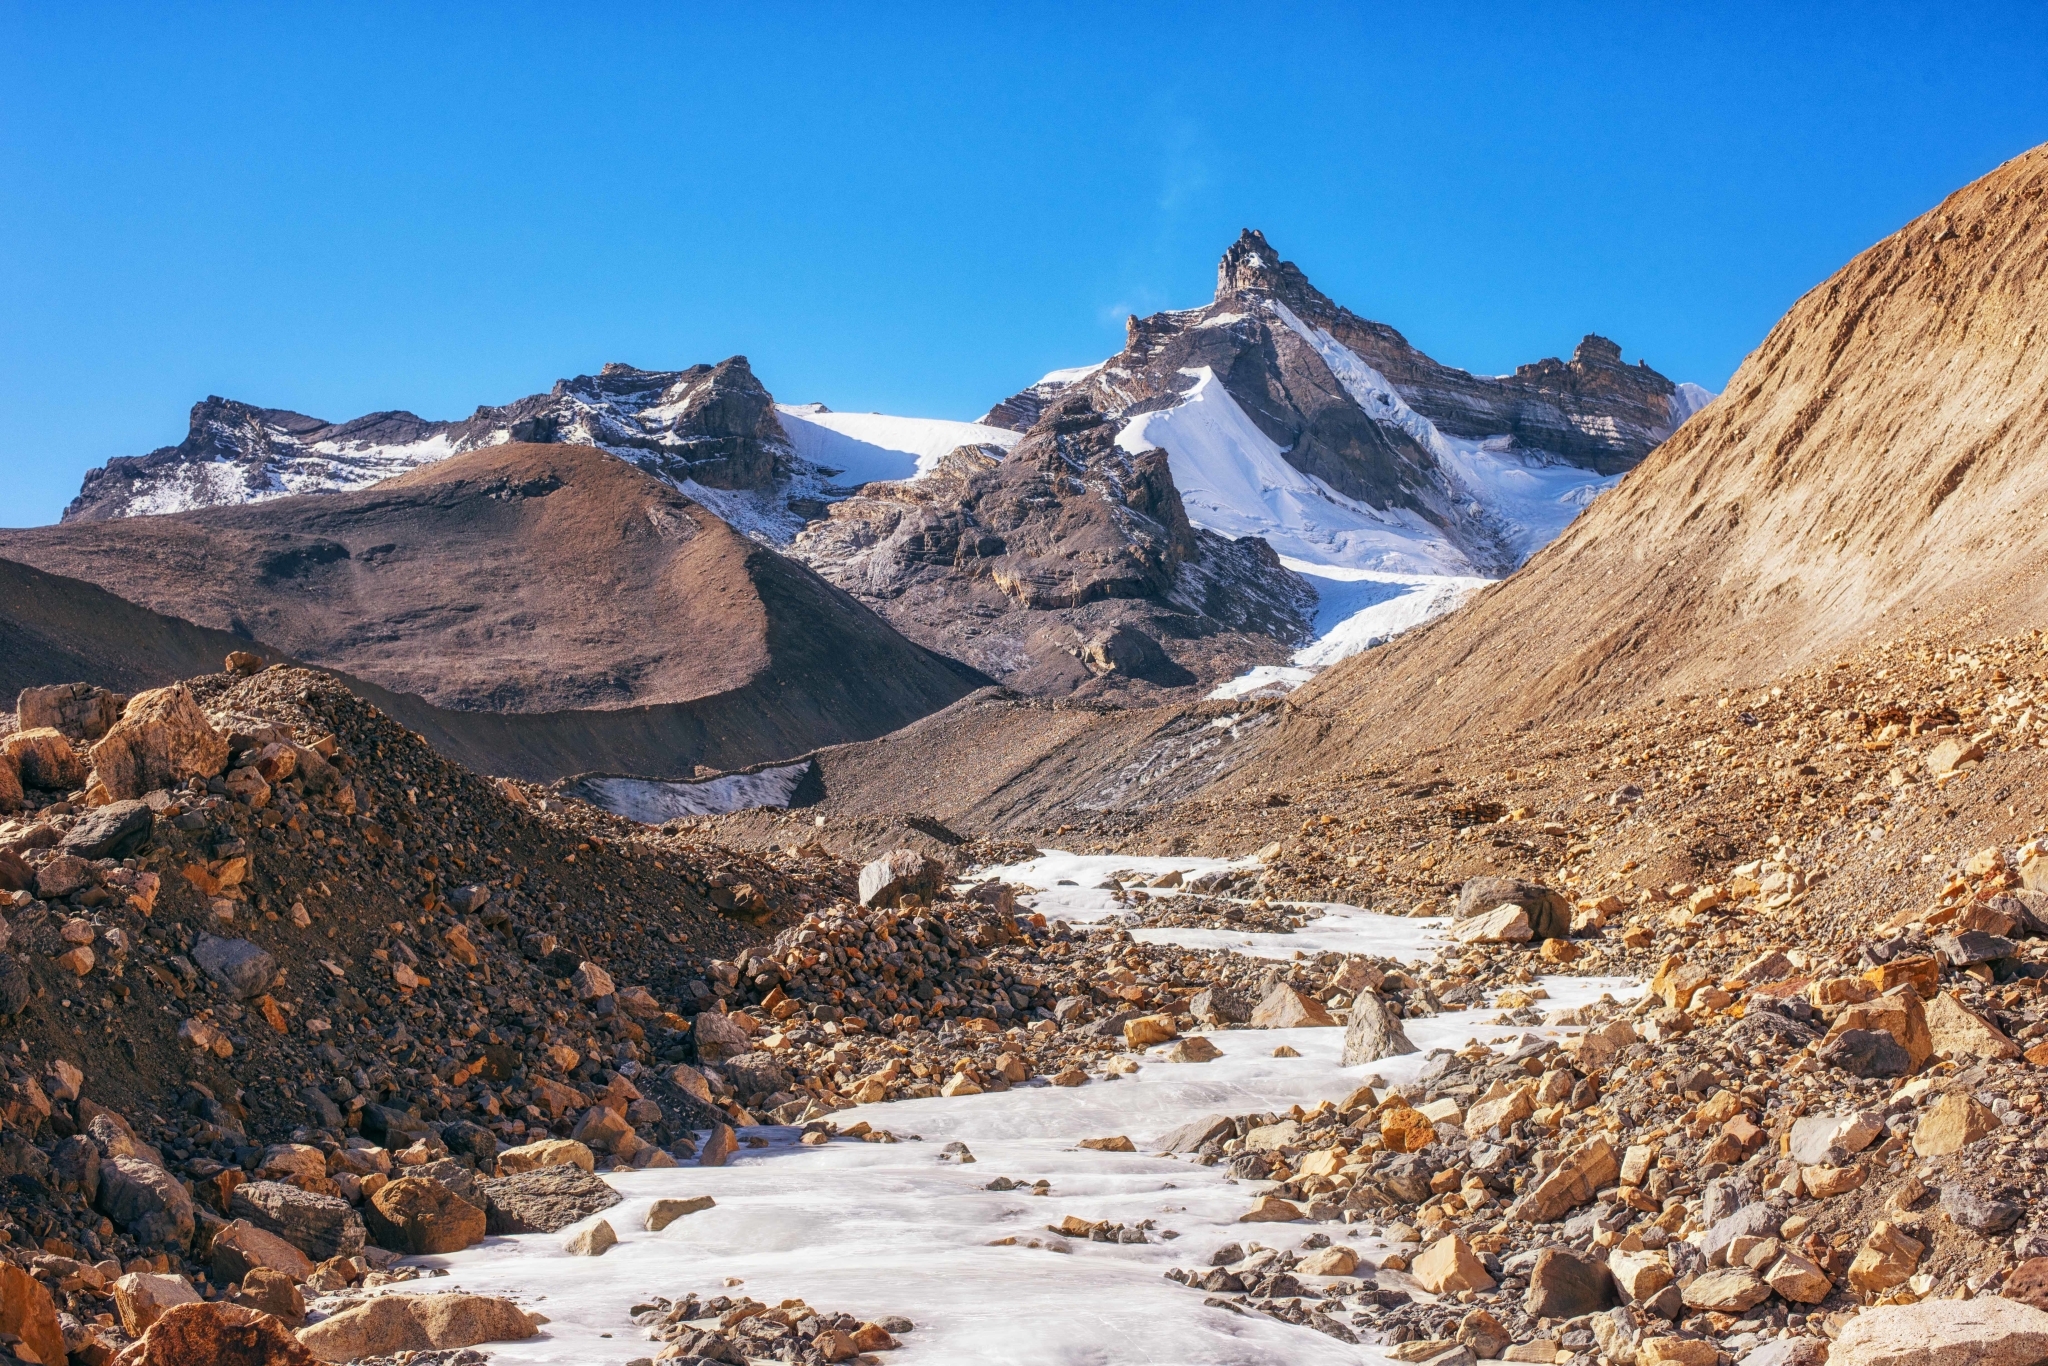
{"type": "Point", "coordinates": [734, 1331]}
{"type": "Point", "coordinates": [545, 1200]}
{"type": "Point", "coordinates": [388, 1324]}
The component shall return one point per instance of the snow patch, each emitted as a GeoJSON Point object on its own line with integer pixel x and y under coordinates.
{"type": "Point", "coordinates": [1689, 399]}
{"type": "Point", "coordinates": [873, 446]}
{"type": "Point", "coordinates": [653, 800]}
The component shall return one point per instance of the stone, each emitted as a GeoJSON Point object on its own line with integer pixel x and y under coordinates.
{"type": "Point", "coordinates": [1798, 1280]}
{"type": "Point", "coordinates": [601, 1129]}
{"type": "Point", "coordinates": [141, 1297]}
{"type": "Point", "coordinates": [1270, 1209]}
{"type": "Point", "coordinates": [217, 1335]}
{"type": "Point", "coordinates": [1639, 1274]}
{"type": "Point", "coordinates": [162, 739]}
{"type": "Point", "coordinates": [1217, 1005]}
{"type": "Point", "coordinates": [667, 1210]}
{"type": "Point", "coordinates": [28, 1312]}
{"type": "Point", "coordinates": [1335, 1260]}
{"type": "Point", "coordinates": [1967, 948]}
{"type": "Point", "coordinates": [1978, 1213]}
{"type": "Point", "coordinates": [1867, 1053]}
{"type": "Point", "coordinates": [548, 1152]}
{"type": "Point", "coordinates": [960, 1084]}
{"type": "Point", "coordinates": [1285, 1008]}
{"type": "Point", "coordinates": [543, 1201]}
{"type": "Point", "coordinates": [61, 876]}
{"type": "Point", "coordinates": [1597, 1048]}
{"type": "Point", "coordinates": [1195, 1133]}
{"type": "Point", "coordinates": [240, 1247]}
{"type": "Point", "coordinates": [1193, 1048]}
{"type": "Point", "coordinates": [718, 1038]}
{"type": "Point", "coordinates": [81, 711]}
{"type": "Point", "coordinates": [1888, 1257]}
{"type": "Point", "coordinates": [1493, 1118]}
{"type": "Point", "coordinates": [390, 1324]}
{"type": "Point", "coordinates": [1952, 753]}
{"type": "Point", "coordinates": [594, 1241]}
{"type": "Point", "coordinates": [1726, 1290]}
{"type": "Point", "coordinates": [1825, 1183]}
{"type": "Point", "coordinates": [146, 1201]}
{"type": "Point", "coordinates": [1449, 1265]}
{"type": "Point", "coordinates": [418, 1216]}
{"type": "Point", "coordinates": [1118, 1144]}
{"type": "Point", "coordinates": [1507, 925]}
{"type": "Point", "coordinates": [1373, 1032]}
{"type": "Point", "coordinates": [1406, 1130]}
{"type": "Point", "coordinates": [2028, 1283]}
{"type": "Point", "coordinates": [1564, 1285]}
{"type": "Point", "coordinates": [1672, 1351]}
{"type": "Point", "coordinates": [116, 830]}
{"type": "Point", "coordinates": [1953, 1123]}
{"type": "Point", "coordinates": [719, 1146]}
{"type": "Point", "coordinates": [1963, 1034]}
{"type": "Point", "coordinates": [272, 1292]}
{"type": "Point", "coordinates": [242, 967]}
{"type": "Point", "coordinates": [1982, 1332]}
{"type": "Point", "coordinates": [1753, 1220]}
{"type": "Point", "coordinates": [1570, 1184]}
{"type": "Point", "coordinates": [1147, 1030]}
{"type": "Point", "coordinates": [590, 982]}
{"type": "Point", "coordinates": [1547, 912]}
{"type": "Point", "coordinates": [1898, 1013]}
{"type": "Point", "coordinates": [900, 873]}
{"type": "Point", "coordinates": [44, 759]}
{"type": "Point", "coordinates": [321, 1226]}
{"type": "Point", "coordinates": [1833, 1138]}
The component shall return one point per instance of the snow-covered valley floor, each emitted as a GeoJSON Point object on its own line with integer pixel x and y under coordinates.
{"type": "Point", "coordinates": [874, 1229]}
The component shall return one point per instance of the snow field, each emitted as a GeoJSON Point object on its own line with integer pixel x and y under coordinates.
{"type": "Point", "coordinates": [872, 446]}
{"type": "Point", "coordinates": [875, 1229]}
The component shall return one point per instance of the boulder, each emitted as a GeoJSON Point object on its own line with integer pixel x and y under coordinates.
{"type": "Point", "coordinates": [272, 1292]}
{"type": "Point", "coordinates": [666, 1211]}
{"type": "Point", "coordinates": [1898, 1013]}
{"type": "Point", "coordinates": [1980, 1332]}
{"type": "Point", "coordinates": [1564, 1285]}
{"type": "Point", "coordinates": [718, 1038]}
{"type": "Point", "coordinates": [81, 711]}
{"type": "Point", "coordinates": [1753, 1220]}
{"type": "Point", "coordinates": [242, 967]}
{"type": "Point", "coordinates": [240, 1247]}
{"type": "Point", "coordinates": [1335, 1260]}
{"type": "Point", "coordinates": [548, 1152]}
{"type": "Point", "coordinates": [900, 873]}
{"type": "Point", "coordinates": [44, 759]}
{"type": "Point", "coordinates": [1219, 1005]}
{"type": "Point", "coordinates": [162, 739]}
{"type": "Point", "coordinates": [216, 1335]}
{"type": "Point", "coordinates": [1797, 1279]}
{"type": "Point", "coordinates": [1506, 925]}
{"type": "Point", "coordinates": [1978, 1213]}
{"type": "Point", "coordinates": [1727, 1290]}
{"type": "Point", "coordinates": [1285, 1008]}
{"type": "Point", "coordinates": [1374, 1032]}
{"type": "Point", "coordinates": [758, 1072]}
{"type": "Point", "coordinates": [390, 1324]}
{"type": "Point", "coordinates": [601, 1129]}
{"type": "Point", "coordinates": [1834, 1138]}
{"type": "Point", "coordinates": [1194, 1048]}
{"type": "Point", "coordinates": [62, 876]}
{"type": "Point", "coordinates": [146, 1201]}
{"type": "Point", "coordinates": [1888, 1257]}
{"type": "Point", "coordinates": [1548, 912]}
{"type": "Point", "coordinates": [1195, 1133]}
{"type": "Point", "coordinates": [141, 1297]}
{"type": "Point", "coordinates": [28, 1312]}
{"type": "Point", "coordinates": [1147, 1030]}
{"type": "Point", "coordinates": [1953, 1123]}
{"type": "Point", "coordinates": [1568, 1185]}
{"type": "Point", "coordinates": [543, 1201]}
{"type": "Point", "coordinates": [419, 1216]}
{"type": "Point", "coordinates": [719, 1145]}
{"type": "Point", "coordinates": [112, 831]}
{"type": "Point", "coordinates": [1965, 1035]}
{"type": "Point", "coordinates": [590, 982]}
{"type": "Point", "coordinates": [1449, 1265]}
{"type": "Point", "coordinates": [594, 1241]}
{"type": "Point", "coordinates": [321, 1226]}
{"type": "Point", "coordinates": [1639, 1274]}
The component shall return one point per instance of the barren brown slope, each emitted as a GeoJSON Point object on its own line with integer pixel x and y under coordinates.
{"type": "Point", "coordinates": [1875, 467]}
{"type": "Point", "coordinates": [537, 610]}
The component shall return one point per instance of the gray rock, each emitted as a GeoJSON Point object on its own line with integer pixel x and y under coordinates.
{"type": "Point", "coordinates": [469, 898]}
{"type": "Point", "coordinates": [1988, 1331]}
{"type": "Point", "coordinates": [1195, 1133]}
{"type": "Point", "coordinates": [1564, 1285]}
{"type": "Point", "coordinates": [1788, 1352]}
{"type": "Point", "coordinates": [1219, 1005]}
{"type": "Point", "coordinates": [1831, 1139]}
{"type": "Point", "coordinates": [1978, 1213]}
{"type": "Point", "coordinates": [757, 1073]}
{"type": "Point", "coordinates": [1373, 1033]}
{"type": "Point", "coordinates": [900, 873]}
{"type": "Point", "coordinates": [457, 1178]}
{"type": "Point", "coordinates": [321, 1226]}
{"type": "Point", "coordinates": [112, 831]}
{"type": "Point", "coordinates": [1550, 915]}
{"type": "Point", "coordinates": [242, 967]}
{"type": "Point", "coordinates": [1972, 946]}
{"type": "Point", "coordinates": [543, 1201]}
{"type": "Point", "coordinates": [1868, 1053]}
{"type": "Point", "coordinates": [75, 1166]}
{"type": "Point", "coordinates": [1756, 1220]}
{"type": "Point", "coordinates": [147, 1202]}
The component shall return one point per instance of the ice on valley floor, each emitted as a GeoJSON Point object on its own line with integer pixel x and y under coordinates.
{"type": "Point", "coordinates": [873, 1229]}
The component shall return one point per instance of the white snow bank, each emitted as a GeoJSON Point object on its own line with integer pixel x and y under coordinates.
{"type": "Point", "coordinates": [1689, 399]}
{"type": "Point", "coordinates": [653, 800]}
{"type": "Point", "coordinates": [873, 1229]}
{"type": "Point", "coordinates": [872, 446]}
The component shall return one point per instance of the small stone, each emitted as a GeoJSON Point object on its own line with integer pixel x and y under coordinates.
{"type": "Point", "coordinates": [666, 1211]}
{"type": "Point", "coordinates": [1798, 1280]}
{"type": "Point", "coordinates": [1118, 1144]}
{"type": "Point", "coordinates": [1450, 1265]}
{"type": "Point", "coordinates": [1953, 1123]}
{"type": "Point", "coordinates": [1833, 1138]}
{"type": "Point", "coordinates": [1269, 1209]}
{"type": "Point", "coordinates": [1825, 1183]}
{"type": "Point", "coordinates": [594, 1241]}
{"type": "Point", "coordinates": [1194, 1048]}
{"type": "Point", "coordinates": [1887, 1258]}
{"type": "Point", "coordinates": [1727, 1291]}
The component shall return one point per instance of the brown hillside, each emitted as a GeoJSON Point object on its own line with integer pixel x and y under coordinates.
{"type": "Point", "coordinates": [1875, 467]}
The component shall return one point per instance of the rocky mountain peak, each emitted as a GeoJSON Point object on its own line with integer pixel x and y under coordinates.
{"type": "Point", "coordinates": [1252, 266]}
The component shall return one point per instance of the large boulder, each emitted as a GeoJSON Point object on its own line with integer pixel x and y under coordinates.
{"type": "Point", "coordinates": [45, 759]}
{"type": "Point", "coordinates": [543, 1201]}
{"type": "Point", "coordinates": [163, 738]}
{"type": "Point", "coordinates": [718, 1038]}
{"type": "Point", "coordinates": [150, 1204]}
{"type": "Point", "coordinates": [1374, 1032]}
{"type": "Point", "coordinates": [390, 1324]}
{"type": "Point", "coordinates": [1282, 1007]}
{"type": "Point", "coordinates": [216, 1335]}
{"type": "Point", "coordinates": [81, 711]}
{"type": "Point", "coordinates": [240, 1247]}
{"type": "Point", "coordinates": [28, 1312]}
{"type": "Point", "coordinates": [243, 968]}
{"type": "Point", "coordinates": [1549, 913]}
{"type": "Point", "coordinates": [141, 1297]}
{"type": "Point", "coordinates": [321, 1226]}
{"type": "Point", "coordinates": [1564, 1285]}
{"type": "Point", "coordinates": [548, 1152]}
{"type": "Point", "coordinates": [900, 873]}
{"type": "Point", "coordinates": [112, 831]}
{"type": "Point", "coordinates": [419, 1216]}
{"type": "Point", "coordinates": [757, 1072]}
{"type": "Point", "coordinates": [1980, 1332]}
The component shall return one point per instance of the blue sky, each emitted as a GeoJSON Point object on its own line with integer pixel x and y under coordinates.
{"type": "Point", "coordinates": [916, 209]}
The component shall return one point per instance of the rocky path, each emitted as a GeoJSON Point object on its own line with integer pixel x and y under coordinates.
{"type": "Point", "coordinates": [911, 1229]}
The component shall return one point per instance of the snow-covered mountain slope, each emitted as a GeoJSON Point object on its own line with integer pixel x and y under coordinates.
{"type": "Point", "coordinates": [859, 448]}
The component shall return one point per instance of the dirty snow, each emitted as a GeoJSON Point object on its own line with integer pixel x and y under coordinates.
{"type": "Point", "coordinates": [654, 800]}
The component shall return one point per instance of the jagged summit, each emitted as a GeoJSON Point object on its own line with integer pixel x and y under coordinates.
{"type": "Point", "coordinates": [1250, 265]}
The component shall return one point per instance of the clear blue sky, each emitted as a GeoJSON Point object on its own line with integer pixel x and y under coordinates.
{"type": "Point", "coordinates": [918, 209]}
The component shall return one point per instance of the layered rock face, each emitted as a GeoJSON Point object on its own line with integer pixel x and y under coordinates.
{"type": "Point", "coordinates": [714, 425]}
{"type": "Point", "coordinates": [1067, 558]}
{"type": "Point", "coordinates": [1397, 462]}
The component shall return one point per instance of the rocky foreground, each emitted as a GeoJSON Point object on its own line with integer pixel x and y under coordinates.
{"type": "Point", "coordinates": [294, 1001]}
